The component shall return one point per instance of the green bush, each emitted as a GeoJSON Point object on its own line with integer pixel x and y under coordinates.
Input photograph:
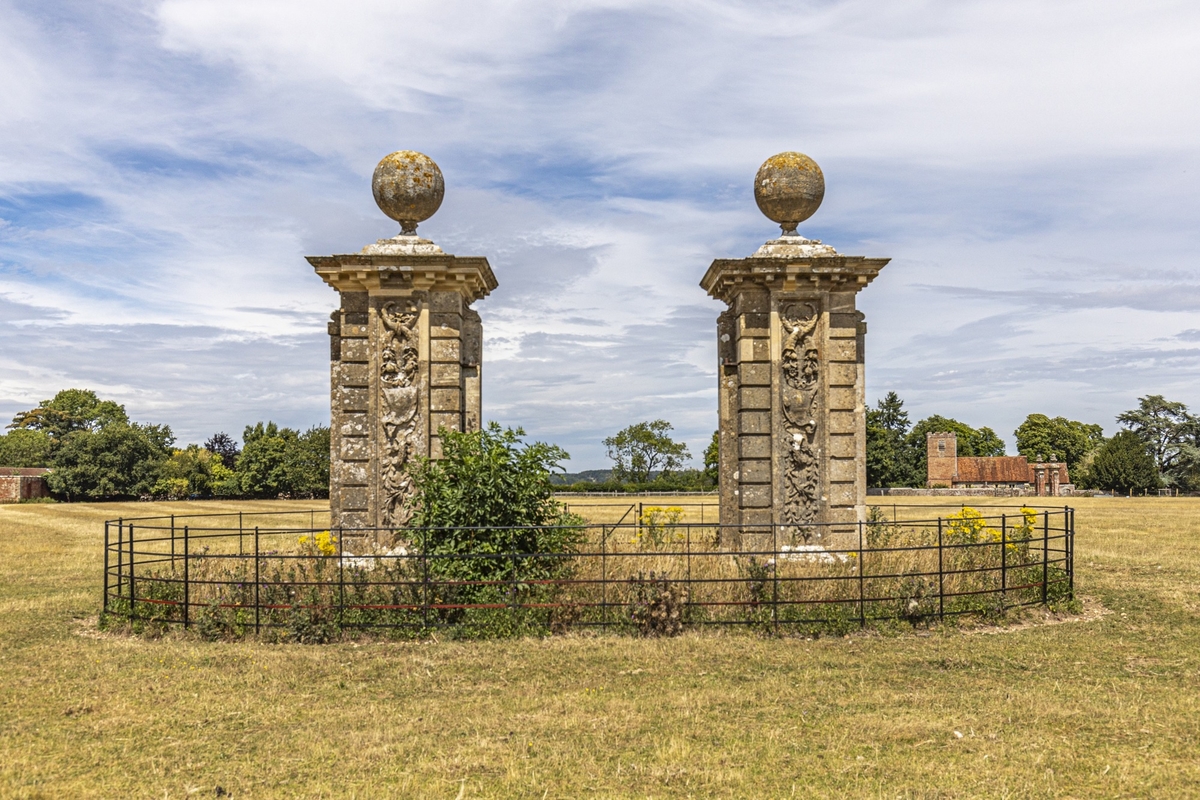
{"type": "Point", "coordinates": [488, 515]}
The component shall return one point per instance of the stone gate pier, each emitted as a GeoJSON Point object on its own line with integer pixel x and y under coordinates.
{"type": "Point", "coordinates": [791, 370]}
{"type": "Point", "coordinates": [405, 350]}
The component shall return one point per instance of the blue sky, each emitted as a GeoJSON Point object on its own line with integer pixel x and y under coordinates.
{"type": "Point", "coordinates": [1030, 167]}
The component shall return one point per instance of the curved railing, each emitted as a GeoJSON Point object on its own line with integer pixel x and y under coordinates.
{"type": "Point", "coordinates": [285, 573]}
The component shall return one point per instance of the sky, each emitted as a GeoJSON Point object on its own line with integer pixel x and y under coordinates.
{"type": "Point", "coordinates": [1029, 167]}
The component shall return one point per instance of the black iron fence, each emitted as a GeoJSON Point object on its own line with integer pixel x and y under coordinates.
{"type": "Point", "coordinates": [233, 575]}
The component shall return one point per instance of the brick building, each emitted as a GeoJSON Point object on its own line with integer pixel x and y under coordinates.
{"type": "Point", "coordinates": [948, 469]}
{"type": "Point", "coordinates": [23, 483]}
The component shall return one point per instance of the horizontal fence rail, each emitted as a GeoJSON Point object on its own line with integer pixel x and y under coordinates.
{"type": "Point", "coordinates": [237, 574]}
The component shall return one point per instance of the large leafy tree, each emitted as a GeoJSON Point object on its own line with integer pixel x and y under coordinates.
{"type": "Point", "coordinates": [889, 460]}
{"type": "Point", "coordinates": [71, 410]}
{"type": "Point", "coordinates": [192, 471]}
{"type": "Point", "coordinates": [277, 461]}
{"type": "Point", "coordinates": [25, 448]}
{"type": "Point", "coordinates": [1170, 434]}
{"type": "Point", "coordinates": [1059, 439]}
{"type": "Point", "coordinates": [643, 449]}
{"type": "Point", "coordinates": [1123, 464]}
{"type": "Point", "coordinates": [119, 460]}
{"type": "Point", "coordinates": [222, 444]}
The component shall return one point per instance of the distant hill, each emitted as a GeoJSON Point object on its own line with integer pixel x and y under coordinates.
{"type": "Point", "coordinates": [587, 476]}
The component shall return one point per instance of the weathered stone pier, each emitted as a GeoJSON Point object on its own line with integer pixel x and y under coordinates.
{"type": "Point", "coordinates": [406, 350]}
{"type": "Point", "coordinates": [791, 351]}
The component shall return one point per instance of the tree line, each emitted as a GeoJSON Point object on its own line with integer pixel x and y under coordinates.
{"type": "Point", "coordinates": [97, 453]}
{"type": "Point", "coordinates": [1157, 447]}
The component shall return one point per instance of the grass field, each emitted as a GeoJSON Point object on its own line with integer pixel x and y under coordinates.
{"type": "Point", "coordinates": [1106, 707]}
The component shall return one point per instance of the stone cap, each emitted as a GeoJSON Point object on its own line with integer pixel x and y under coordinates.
{"type": "Point", "coordinates": [836, 273]}
{"type": "Point", "coordinates": [411, 266]}
{"type": "Point", "coordinates": [794, 247]}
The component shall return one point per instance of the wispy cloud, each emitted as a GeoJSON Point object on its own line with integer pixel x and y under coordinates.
{"type": "Point", "coordinates": [165, 165]}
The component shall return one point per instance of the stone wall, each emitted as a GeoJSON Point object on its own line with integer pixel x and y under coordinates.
{"type": "Point", "coordinates": [22, 484]}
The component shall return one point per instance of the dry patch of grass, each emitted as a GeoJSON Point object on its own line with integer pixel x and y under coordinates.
{"type": "Point", "coordinates": [1101, 708]}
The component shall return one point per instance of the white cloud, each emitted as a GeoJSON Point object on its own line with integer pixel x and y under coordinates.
{"type": "Point", "coordinates": [1029, 166]}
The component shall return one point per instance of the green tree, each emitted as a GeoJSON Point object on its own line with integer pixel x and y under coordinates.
{"type": "Point", "coordinates": [1059, 439]}
{"type": "Point", "coordinates": [118, 460]}
{"type": "Point", "coordinates": [71, 410]}
{"type": "Point", "coordinates": [644, 448]}
{"type": "Point", "coordinates": [889, 461]}
{"type": "Point", "coordinates": [308, 462]}
{"type": "Point", "coordinates": [986, 443]}
{"type": "Point", "coordinates": [712, 459]}
{"type": "Point", "coordinates": [25, 448]}
{"type": "Point", "coordinates": [1168, 432]}
{"type": "Point", "coordinates": [1123, 464]}
{"type": "Point", "coordinates": [223, 445]}
{"type": "Point", "coordinates": [277, 461]}
{"type": "Point", "coordinates": [191, 471]}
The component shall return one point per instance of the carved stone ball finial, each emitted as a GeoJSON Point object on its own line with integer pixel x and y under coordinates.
{"type": "Point", "coordinates": [789, 188]}
{"type": "Point", "coordinates": [408, 187]}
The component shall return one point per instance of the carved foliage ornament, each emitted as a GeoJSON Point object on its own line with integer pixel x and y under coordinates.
{"type": "Point", "coordinates": [399, 397]}
{"type": "Point", "coordinates": [800, 362]}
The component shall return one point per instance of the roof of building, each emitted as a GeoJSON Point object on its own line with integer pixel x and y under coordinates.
{"type": "Point", "coordinates": [24, 472]}
{"type": "Point", "coordinates": [1001, 469]}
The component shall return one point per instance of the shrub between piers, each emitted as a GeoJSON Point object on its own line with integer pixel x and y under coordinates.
{"type": "Point", "coordinates": [310, 587]}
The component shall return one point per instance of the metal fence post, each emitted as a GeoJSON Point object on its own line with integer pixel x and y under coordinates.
{"type": "Point", "coordinates": [257, 578]}
{"type": "Point", "coordinates": [941, 575]}
{"type": "Point", "coordinates": [425, 567]}
{"type": "Point", "coordinates": [172, 542]}
{"type": "Point", "coordinates": [1003, 556]}
{"type": "Point", "coordinates": [132, 595]}
{"type": "Point", "coordinates": [1071, 552]}
{"type": "Point", "coordinates": [1045, 554]}
{"type": "Point", "coordinates": [603, 576]}
{"type": "Point", "coordinates": [512, 581]}
{"type": "Point", "coordinates": [341, 579]}
{"type": "Point", "coordinates": [104, 599]}
{"type": "Point", "coordinates": [187, 583]}
{"type": "Point", "coordinates": [775, 576]}
{"type": "Point", "coordinates": [120, 555]}
{"type": "Point", "coordinates": [862, 608]}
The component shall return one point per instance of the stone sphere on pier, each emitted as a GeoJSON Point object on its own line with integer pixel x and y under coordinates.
{"type": "Point", "coordinates": [408, 187]}
{"type": "Point", "coordinates": [789, 188]}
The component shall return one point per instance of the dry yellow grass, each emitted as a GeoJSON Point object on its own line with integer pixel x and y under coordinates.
{"type": "Point", "coordinates": [1102, 708]}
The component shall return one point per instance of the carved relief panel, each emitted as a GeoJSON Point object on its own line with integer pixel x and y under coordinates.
{"type": "Point", "coordinates": [399, 400]}
{"type": "Point", "coordinates": [800, 442]}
